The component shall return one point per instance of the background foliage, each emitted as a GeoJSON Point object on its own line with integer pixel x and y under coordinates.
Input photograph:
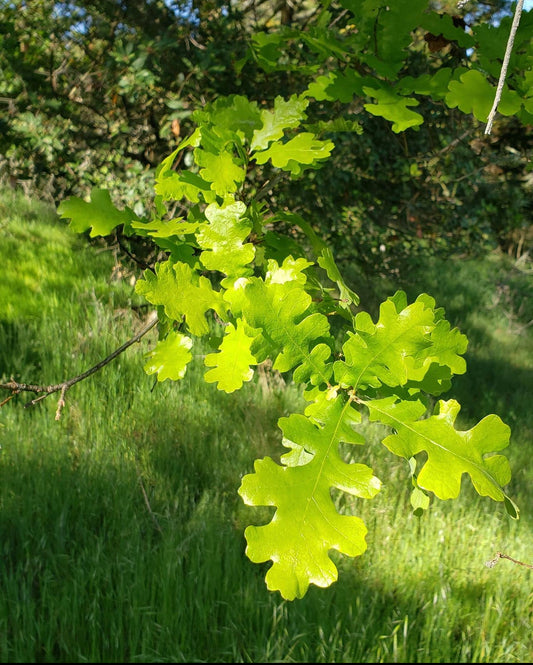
{"type": "Point", "coordinates": [97, 93]}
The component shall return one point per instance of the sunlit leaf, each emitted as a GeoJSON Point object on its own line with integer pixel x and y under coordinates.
{"type": "Point", "coordinates": [170, 357]}
{"type": "Point", "coordinates": [306, 524]}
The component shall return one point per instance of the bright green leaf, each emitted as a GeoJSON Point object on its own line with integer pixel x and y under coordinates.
{"type": "Point", "coordinates": [222, 240]}
{"type": "Point", "coordinates": [281, 312]}
{"type": "Point", "coordinates": [221, 170]}
{"type": "Point", "coordinates": [232, 361]}
{"type": "Point", "coordinates": [161, 228]}
{"type": "Point", "coordinates": [404, 346]}
{"type": "Point", "coordinates": [391, 106]}
{"type": "Point", "coordinates": [173, 186]}
{"type": "Point", "coordinates": [302, 149]}
{"type": "Point", "coordinates": [170, 357]}
{"type": "Point", "coordinates": [327, 262]}
{"type": "Point", "coordinates": [99, 214]}
{"type": "Point", "coordinates": [286, 114]}
{"type": "Point", "coordinates": [306, 524]}
{"type": "Point", "coordinates": [182, 293]}
{"type": "Point", "coordinates": [474, 94]}
{"type": "Point", "coordinates": [450, 452]}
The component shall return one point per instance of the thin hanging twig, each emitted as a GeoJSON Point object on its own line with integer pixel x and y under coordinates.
{"type": "Point", "coordinates": [17, 387]}
{"type": "Point", "coordinates": [499, 555]}
{"type": "Point", "coordinates": [503, 71]}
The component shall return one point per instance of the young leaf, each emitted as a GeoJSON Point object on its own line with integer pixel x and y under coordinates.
{"type": "Point", "coordinates": [280, 311]}
{"type": "Point", "coordinates": [161, 228]}
{"type": "Point", "coordinates": [221, 170]}
{"type": "Point", "coordinates": [474, 94]}
{"type": "Point", "coordinates": [222, 240]}
{"type": "Point", "coordinates": [182, 293]}
{"type": "Point", "coordinates": [232, 115]}
{"type": "Point", "coordinates": [170, 357]}
{"type": "Point", "coordinates": [386, 352]}
{"type": "Point", "coordinates": [172, 186]}
{"type": "Point", "coordinates": [450, 452]}
{"type": "Point", "coordinates": [302, 149]}
{"type": "Point", "coordinates": [393, 107]}
{"type": "Point", "coordinates": [402, 347]}
{"type": "Point", "coordinates": [286, 114]}
{"type": "Point", "coordinates": [327, 262]}
{"type": "Point", "coordinates": [99, 214]}
{"type": "Point", "coordinates": [306, 524]}
{"type": "Point", "coordinates": [232, 361]}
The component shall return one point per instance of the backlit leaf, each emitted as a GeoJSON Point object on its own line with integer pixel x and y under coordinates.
{"type": "Point", "coordinates": [99, 214]}
{"type": "Point", "coordinates": [182, 293]}
{"type": "Point", "coordinates": [231, 364]}
{"type": "Point", "coordinates": [170, 357]}
{"type": "Point", "coordinates": [286, 114]}
{"type": "Point", "coordinates": [450, 452]}
{"type": "Point", "coordinates": [306, 524]}
{"type": "Point", "coordinates": [302, 149]}
{"type": "Point", "coordinates": [222, 240]}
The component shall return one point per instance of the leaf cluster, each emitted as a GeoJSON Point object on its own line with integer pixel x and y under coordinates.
{"type": "Point", "coordinates": [232, 260]}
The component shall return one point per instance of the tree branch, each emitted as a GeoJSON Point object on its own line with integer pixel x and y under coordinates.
{"type": "Point", "coordinates": [17, 388]}
{"type": "Point", "coordinates": [503, 71]}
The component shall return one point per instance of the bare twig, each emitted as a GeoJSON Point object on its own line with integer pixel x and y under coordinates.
{"type": "Point", "coordinates": [503, 72]}
{"type": "Point", "coordinates": [17, 387]}
{"type": "Point", "coordinates": [499, 555]}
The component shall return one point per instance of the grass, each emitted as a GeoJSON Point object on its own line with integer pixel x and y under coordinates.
{"type": "Point", "coordinates": [121, 532]}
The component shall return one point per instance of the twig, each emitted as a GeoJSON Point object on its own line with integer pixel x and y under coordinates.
{"type": "Point", "coordinates": [17, 387]}
{"type": "Point", "coordinates": [499, 555]}
{"type": "Point", "coordinates": [503, 71]}
{"type": "Point", "coordinates": [135, 259]}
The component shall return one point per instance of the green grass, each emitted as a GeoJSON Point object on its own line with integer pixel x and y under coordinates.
{"type": "Point", "coordinates": [121, 532]}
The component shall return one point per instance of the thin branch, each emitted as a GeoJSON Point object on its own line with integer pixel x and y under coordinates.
{"type": "Point", "coordinates": [17, 387]}
{"type": "Point", "coordinates": [503, 72]}
{"type": "Point", "coordinates": [135, 259]}
{"type": "Point", "coordinates": [499, 555]}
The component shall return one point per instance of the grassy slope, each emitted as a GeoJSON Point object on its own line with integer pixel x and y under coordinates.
{"type": "Point", "coordinates": [120, 527]}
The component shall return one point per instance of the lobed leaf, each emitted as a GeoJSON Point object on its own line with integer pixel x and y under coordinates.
{"type": "Point", "coordinates": [286, 114]}
{"type": "Point", "coordinates": [231, 364]}
{"type": "Point", "coordinates": [450, 452]}
{"type": "Point", "coordinates": [281, 313]}
{"type": "Point", "coordinates": [306, 524]}
{"type": "Point", "coordinates": [170, 357]}
{"type": "Point", "coordinates": [222, 240]}
{"type": "Point", "coordinates": [403, 346]}
{"type": "Point", "coordinates": [392, 106]}
{"type": "Point", "coordinates": [182, 293]}
{"type": "Point", "coordinates": [302, 149]}
{"type": "Point", "coordinates": [221, 170]}
{"type": "Point", "coordinates": [99, 214]}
